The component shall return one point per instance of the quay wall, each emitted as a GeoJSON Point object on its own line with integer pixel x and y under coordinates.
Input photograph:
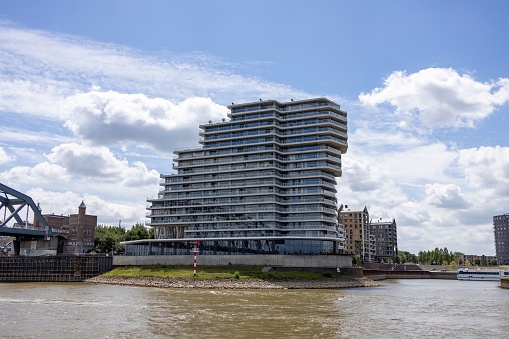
{"type": "Point", "coordinates": [277, 260]}
{"type": "Point", "coordinates": [504, 283]}
{"type": "Point", "coordinates": [64, 268]}
{"type": "Point", "coordinates": [382, 275]}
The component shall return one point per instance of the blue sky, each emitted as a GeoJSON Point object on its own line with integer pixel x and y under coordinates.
{"type": "Point", "coordinates": [95, 96]}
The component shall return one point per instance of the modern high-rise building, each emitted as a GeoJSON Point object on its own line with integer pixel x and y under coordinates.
{"type": "Point", "coordinates": [501, 230]}
{"type": "Point", "coordinates": [355, 221]}
{"type": "Point", "coordinates": [263, 181]}
{"type": "Point", "coordinates": [385, 239]}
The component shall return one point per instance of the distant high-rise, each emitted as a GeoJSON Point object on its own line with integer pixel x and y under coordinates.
{"type": "Point", "coordinates": [264, 181]}
{"type": "Point", "coordinates": [501, 230]}
{"type": "Point", "coordinates": [385, 237]}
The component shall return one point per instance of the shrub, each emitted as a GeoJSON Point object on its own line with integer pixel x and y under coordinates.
{"type": "Point", "coordinates": [236, 275]}
{"type": "Point", "coordinates": [327, 274]}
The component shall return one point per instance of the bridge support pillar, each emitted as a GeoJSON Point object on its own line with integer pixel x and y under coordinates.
{"type": "Point", "coordinates": [15, 247]}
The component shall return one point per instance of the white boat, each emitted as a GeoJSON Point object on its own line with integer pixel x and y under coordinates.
{"type": "Point", "coordinates": [486, 274]}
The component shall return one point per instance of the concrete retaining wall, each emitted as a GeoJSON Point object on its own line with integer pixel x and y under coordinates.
{"type": "Point", "coordinates": [277, 260]}
{"type": "Point", "coordinates": [381, 275]}
{"type": "Point", "coordinates": [504, 283]}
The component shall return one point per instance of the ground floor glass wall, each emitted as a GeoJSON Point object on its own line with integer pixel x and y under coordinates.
{"type": "Point", "coordinates": [217, 247]}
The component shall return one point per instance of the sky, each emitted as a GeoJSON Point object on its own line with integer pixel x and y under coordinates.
{"type": "Point", "coordinates": [96, 95]}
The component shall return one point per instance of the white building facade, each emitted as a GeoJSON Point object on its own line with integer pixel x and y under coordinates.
{"type": "Point", "coordinates": [262, 182]}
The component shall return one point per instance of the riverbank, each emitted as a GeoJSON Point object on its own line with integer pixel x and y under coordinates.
{"type": "Point", "coordinates": [221, 283]}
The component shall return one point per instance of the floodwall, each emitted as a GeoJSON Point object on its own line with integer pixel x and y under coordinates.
{"type": "Point", "coordinates": [277, 260]}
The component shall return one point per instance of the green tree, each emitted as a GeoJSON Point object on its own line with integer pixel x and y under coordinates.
{"type": "Point", "coordinates": [406, 257]}
{"type": "Point", "coordinates": [108, 238]}
{"type": "Point", "coordinates": [138, 232]}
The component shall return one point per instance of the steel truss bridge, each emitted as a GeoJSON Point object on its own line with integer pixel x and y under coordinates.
{"type": "Point", "coordinates": [12, 207]}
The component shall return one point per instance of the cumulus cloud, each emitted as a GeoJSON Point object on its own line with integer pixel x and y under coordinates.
{"type": "Point", "coordinates": [39, 174]}
{"type": "Point", "coordinates": [5, 157]}
{"type": "Point", "coordinates": [112, 118]}
{"type": "Point", "coordinates": [445, 196]}
{"type": "Point", "coordinates": [362, 176]}
{"type": "Point", "coordinates": [100, 163]}
{"type": "Point", "coordinates": [108, 212]}
{"type": "Point", "coordinates": [439, 97]}
{"type": "Point", "coordinates": [367, 184]}
{"type": "Point", "coordinates": [487, 169]}
{"type": "Point", "coordinates": [407, 159]}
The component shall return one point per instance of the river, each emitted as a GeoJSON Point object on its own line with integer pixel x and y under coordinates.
{"type": "Point", "coordinates": [398, 309]}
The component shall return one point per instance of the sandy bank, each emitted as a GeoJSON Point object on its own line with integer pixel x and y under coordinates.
{"type": "Point", "coordinates": [235, 283]}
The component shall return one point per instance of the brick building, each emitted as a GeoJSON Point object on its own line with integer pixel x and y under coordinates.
{"type": "Point", "coordinates": [78, 229]}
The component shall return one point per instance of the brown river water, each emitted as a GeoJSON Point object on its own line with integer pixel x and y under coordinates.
{"type": "Point", "coordinates": [397, 309]}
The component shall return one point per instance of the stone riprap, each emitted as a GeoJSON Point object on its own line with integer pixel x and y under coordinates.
{"type": "Point", "coordinates": [324, 283]}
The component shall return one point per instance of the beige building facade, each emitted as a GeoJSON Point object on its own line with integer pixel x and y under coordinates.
{"type": "Point", "coordinates": [355, 221]}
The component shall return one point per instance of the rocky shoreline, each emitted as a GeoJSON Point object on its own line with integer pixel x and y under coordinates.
{"type": "Point", "coordinates": [323, 283]}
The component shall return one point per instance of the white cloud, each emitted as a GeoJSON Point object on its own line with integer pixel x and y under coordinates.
{"type": "Point", "coordinates": [100, 163]}
{"type": "Point", "coordinates": [439, 97]}
{"type": "Point", "coordinates": [35, 96]}
{"type": "Point", "coordinates": [42, 69]}
{"type": "Point", "coordinates": [445, 196]}
{"type": "Point", "coordinates": [367, 184]}
{"type": "Point", "coordinates": [5, 157]}
{"type": "Point", "coordinates": [487, 170]}
{"type": "Point", "coordinates": [405, 158]}
{"type": "Point", "coordinates": [112, 118]}
{"type": "Point", "coordinates": [398, 180]}
{"type": "Point", "coordinates": [42, 173]}
{"type": "Point", "coordinates": [108, 212]}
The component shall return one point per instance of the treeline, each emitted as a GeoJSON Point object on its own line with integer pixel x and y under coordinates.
{"type": "Point", "coordinates": [439, 256]}
{"type": "Point", "coordinates": [108, 238]}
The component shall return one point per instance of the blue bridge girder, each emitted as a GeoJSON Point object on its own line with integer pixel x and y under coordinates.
{"type": "Point", "coordinates": [14, 202]}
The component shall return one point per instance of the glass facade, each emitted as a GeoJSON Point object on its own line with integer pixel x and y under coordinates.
{"type": "Point", "coordinates": [262, 182]}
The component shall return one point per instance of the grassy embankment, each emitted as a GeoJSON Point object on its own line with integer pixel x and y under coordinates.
{"type": "Point", "coordinates": [210, 273]}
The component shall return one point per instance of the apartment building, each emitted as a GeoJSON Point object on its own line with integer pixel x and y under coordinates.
{"type": "Point", "coordinates": [385, 239]}
{"type": "Point", "coordinates": [474, 259]}
{"type": "Point", "coordinates": [501, 230]}
{"type": "Point", "coordinates": [355, 221]}
{"type": "Point", "coordinates": [262, 182]}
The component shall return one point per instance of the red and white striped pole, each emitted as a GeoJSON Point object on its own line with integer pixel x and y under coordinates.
{"type": "Point", "coordinates": [194, 251]}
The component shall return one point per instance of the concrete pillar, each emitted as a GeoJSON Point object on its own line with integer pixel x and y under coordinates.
{"type": "Point", "coordinates": [16, 247]}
